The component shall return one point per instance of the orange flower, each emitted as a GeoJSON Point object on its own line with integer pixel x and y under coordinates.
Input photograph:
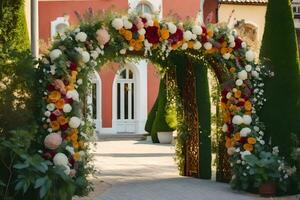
{"type": "Point", "coordinates": [76, 156]}
{"type": "Point", "coordinates": [224, 44]}
{"type": "Point", "coordinates": [164, 33]}
{"type": "Point", "coordinates": [251, 140]}
{"type": "Point", "coordinates": [237, 136]}
{"type": "Point", "coordinates": [248, 105]}
{"type": "Point", "coordinates": [122, 31]}
{"type": "Point", "coordinates": [54, 125]}
{"type": "Point", "coordinates": [54, 96]}
{"type": "Point", "coordinates": [62, 120]}
{"type": "Point", "coordinates": [223, 50]}
{"type": "Point", "coordinates": [75, 144]}
{"type": "Point", "coordinates": [210, 33]}
{"type": "Point", "coordinates": [232, 70]}
{"type": "Point", "coordinates": [138, 46]}
{"type": "Point", "coordinates": [128, 35]}
{"type": "Point", "coordinates": [238, 94]}
{"type": "Point", "coordinates": [132, 42]}
{"type": "Point", "coordinates": [223, 106]}
{"type": "Point", "coordinates": [228, 143]}
{"type": "Point", "coordinates": [226, 117]}
{"type": "Point", "coordinates": [190, 44]}
{"type": "Point", "coordinates": [74, 137]}
{"type": "Point", "coordinates": [248, 147]}
{"type": "Point", "coordinates": [141, 38]}
{"type": "Point", "coordinates": [70, 87]}
{"type": "Point", "coordinates": [81, 144]}
{"type": "Point", "coordinates": [156, 23]}
{"type": "Point", "coordinates": [60, 104]}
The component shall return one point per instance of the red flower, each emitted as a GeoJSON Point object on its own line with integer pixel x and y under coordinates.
{"type": "Point", "coordinates": [238, 43]}
{"type": "Point", "coordinates": [204, 30]}
{"type": "Point", "coordinates": [50, 88]}
{"type": "Point", "coordinates": [243, 140]}
{"type": "Point", "coordinates": [64, 127]}
{"type": "Point", "coordinates": [134, 28]}
{"type": "Point", "coordinates": [73, 66]}
{"type": "Point", "coordinates": [176, 37]}
{"type": "Point", "coordinates": [203, 38]}
{"type": "Point", "coordinates": [144, 20]}
{"type": "Point", "coordinates": [53, 117]}
{"type": "Point", "coordinates": [72, 161]}
{"type": "Point", "coordinates": [221, 39]}
{"type": "Point", "coordinates": [48, 155]}
{"type": "Point", "coordinates": [152, 34]}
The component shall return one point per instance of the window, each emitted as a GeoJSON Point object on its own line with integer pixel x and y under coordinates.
{"type": "Point", "coordinates": [296, 9]}
{"type": "Point", "coordinates": [59, 26]}
{"type": "Point", "coordinates": [144, 7]}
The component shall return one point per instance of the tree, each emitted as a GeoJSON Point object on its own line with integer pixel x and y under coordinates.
{"type": "Point", "coordinates": [281, 112]}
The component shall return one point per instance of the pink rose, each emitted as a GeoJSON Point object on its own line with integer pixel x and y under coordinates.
{"type": "Point", "coordinates": [102, 36]}
{"type": "Point", "coordinates": [52, 141]}
{"type": "Point", "coordinates": [139, 23]}
{"type": "Point", "coordinates": [57, 112]}
{"type": "Point", "coordinates": [59, 85]}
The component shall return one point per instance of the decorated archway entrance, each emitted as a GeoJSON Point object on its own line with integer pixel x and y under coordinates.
{"type": "Point", "coordinates": [183, 52]}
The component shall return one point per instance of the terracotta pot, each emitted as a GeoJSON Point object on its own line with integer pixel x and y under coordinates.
{"type": "Point", "coordinates": [267, 189]}
{"type": "Point", "coordinates": [165, 137]}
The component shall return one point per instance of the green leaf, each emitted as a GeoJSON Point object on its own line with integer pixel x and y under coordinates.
{"type": "Point", "coordinates": [40, 181]}
{"type": "Point", "coordinates": [21, 165]}
{"type": "Point", "coordinates": [19, 185]}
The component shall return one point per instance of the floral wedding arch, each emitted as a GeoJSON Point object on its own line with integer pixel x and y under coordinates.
{"type": "Point", "coordinates": [65, 128]}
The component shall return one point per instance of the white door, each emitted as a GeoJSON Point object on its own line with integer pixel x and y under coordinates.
{"type": "Point", "coordinates": [125, 101]}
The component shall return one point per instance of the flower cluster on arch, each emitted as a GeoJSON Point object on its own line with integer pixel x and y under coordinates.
{"type": "Point", "coordinates": [78, 52]}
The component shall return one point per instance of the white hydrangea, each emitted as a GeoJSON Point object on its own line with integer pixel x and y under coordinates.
{"type": "Point", "coordinates": [255, 74]}
{"type": "Point", "coordinates": [245, 132]}
{"type": "Point", "coordinates": [142, 31]}
{"type": "Point", "coordinates": [197, 30]}
{"type": "Point", "coordinates": [54, 54]}
{"type": "Point", "coordinates": [194, 36]}
{"type": "Point", "coordinates": [51, 106]}
{"type": "Point", "coordinates": [197, 45]}
{"type": "Point", "coordinates": [187, 35]}
{"type": "Point", "coordinates": [239, 82]}
{"type": "Point", "coordinates": [232, 44]}
{"type": "Point", "coordinates": [207, 45]}
{"type": "Point", "coordinates": [123, 51]}
{"type": "Point", "coordinates": [47, 113]}
{"type": "Point", "coordinates": [81, 37]}
{"type": "Point", "coordinates": [94, 54]}
{"type": "Point", "coordinates": [74, 122]}
{"type": "Point", "coordinates": [85, 56]}
{"type": "Point", "coordinates": [79, 81]}
{"type": "Point", "coordinates": [127, 24]}
{"type": "Point", "coordinates": [243, 75]}
{"type": "Point", "coordinates": [226, 56]}
{"type": "Point", "coordinates": [250, 56]}
{"type": "Point", "coordinates": [52, 69]}
{"type": "Point", "coordinates": [230, 38]}
{"type": "Point", "coordinates": [67, 108]}
{"type": "Point", "coordinates": [237, 119]}
{"type": "Point", "coordinates": [248, 68]}
{"type": "Point", "coordinates": [172, 27]}
{"type": "Point", "coordinates": [247, 119]}
{"type": "Point", "coordinates": [73, 94]}
{"type": "Point", "coordinates": [60, 159]}
{"type": "Point", "coordinates": [184, 46]}
{"type": "Point", "coordinates": [117, 23]}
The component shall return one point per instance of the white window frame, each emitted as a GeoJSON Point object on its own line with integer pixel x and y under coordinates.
{"type": "Point", "coordinates": [59, 20]}
{"type": "Point", "coordinates": [156, 6]}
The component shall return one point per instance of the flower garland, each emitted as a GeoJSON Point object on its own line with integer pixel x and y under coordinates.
{"type": "Point", "coordinates": [77, 53]}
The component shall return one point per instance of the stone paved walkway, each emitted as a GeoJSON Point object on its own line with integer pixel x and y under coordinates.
{"type": "Point", "coordinates": [137, 170]}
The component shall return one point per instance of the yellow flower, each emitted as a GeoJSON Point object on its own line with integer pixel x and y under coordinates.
{"type": "Point", "coordinates": [164, 34]}
{"type": "Point", "coordinates": [224, 44]}
{"type": "Point", "coordinates": [141, 38]}
{"type": "Point", "coordinates": [248, 147]}
{"type": "Point", "coordinates": [122, 31]}
{"type": "Point", "coordinates": [232, 70]}
{"type": "Point", "coordinates": [251, 140]}
{"type": "Point", "coordinates": [237, 136]}
{"type": "Point", "coordinates": [75, 145]}
{"type": "Point", "coordinates": [238, 94]}
{"type": "Point", "coordinates": [76, 156]}
{"type": "Point", "coordinates": [210, 33]}
{"type": "Point", "coordinates": [223, 106]}
{"type": "Point", "coordinates": [138, 45]}
{"type": "Point", "coordinates": [62, 120]}
{"type": "Point", "coordinates": [132, 42]}
{"type": "Point", "coordinates": [226, 117]}
{"type": "Point", "coordinates": [81, 144]}
{"type": "Point", "coordinates": [54, 125]}
{"type": "Point", "coordinates": [54, 96]}
{"type": "Point", "coordinates": [128, 35]}
{"type": "Point", "coordinates": [156, 23]}
{"type": "Point", "coordinates": [60, 104]}
{"type": "Point", "coordinates": [190, 44]}
{"type": "Point", "coordinates": [248, 105]}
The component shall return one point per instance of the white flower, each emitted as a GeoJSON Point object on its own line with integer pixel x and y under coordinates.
{"type": "Point", "coordinates": [184, 46]}
{"type": "Point", "coordinates": [248, 68]}
{"type": "Point", "coordinates": [52, 69]}
{"type": "Point", "coordinates": [249, 56]}
{"type": "Point", "coordinates": [77, 30]}
{"type": "Point", "coordinates": [239, 82]}
{"type": "Point", "coordinates": [117, 23]}
{"type": "Point", "coordinates": [85, 56]}
{"type": "Point", "coordinates": [207, 45]}
{"type": "Point", "coordinates": [73, 94]}
{"type": "Point", "coordinates": [172, 28]}
{"type": "Point", "coordinates": [70, 150]}
{"type": "Point", "coordinates": [243, 75]}
{"type": "Point", "coordinates": [150, 22]}
{"type": "Point", "coordinates": [262, 142]}
{"type": "Point", "coordinates": [231, 151]}
{"type": "Point", "coordinates": [131, 48]}
{"type": "Point", "coordinates": [255, 74]}
{"type": "Point", "coordinates": [194, 36]}
{"type": "Point", "coordinates": [230, 38]}
{"type": "Point", "coordinates": [67, 108]}
{"type": "Point", "coordinates": [51, 106]}
{"type": "Point", "coordinates": [187, 35]}
{"type": "Point", "coordinates": [47, 113]}
{"type": "Point", "coordinates": [142, 31]}
{"type": "Point", "coordinates": [197, 30]}
{"type": "Point", "coordinates": [244, 45]}
{"type": "Point", "coordinates": [245, 153]}
{"type": "Point", "coordinates": [247, 119]}
{"type": "Point", "coordinates": [94, 54]}
{"type": "Point", "coordinates": [226, 56]}
{"type": "Point", "coordinates": [228, 95]}
{"type": "Point", "coordinates": [123, 51]}
{"type": "Point", "coordinates": [45, 60]}
{"type": "Point", "coordinates": [54, 54]}
{"type": "Point", "coordinates": [79, 81]}
{"type": "Point", "coordinates": [74, 122]}
{"type": "Point", "coordinates": [197, 45]}
{"type": "Point", "coordinates": [81, 37]}
{"type": "Point", "coordinates": [232, 44]}
{"type": "Point", "coordinates": [245, 132]}
{"type": "Point", "coordinates": [60, 159]}
{"type": "Point", "coordinates": [275, 150]}
{"type": "Point", "coordinates": [67, 170]}
{"type": "Point", "coordinates": [256, 128]}
{"type": "Point", "coordinates": [147, 16]}
{"type": "Point", "coordinates": [225, 128]}
{"type": "Point", "coordinates": [127, 24]}
{"type": "Point", "coordinates": [237, 119]}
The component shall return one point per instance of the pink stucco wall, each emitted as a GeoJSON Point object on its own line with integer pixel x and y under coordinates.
{"type": "Point", "coordinates": [181, 8]}
{"type": "Point", "coordinates": [152, 85]}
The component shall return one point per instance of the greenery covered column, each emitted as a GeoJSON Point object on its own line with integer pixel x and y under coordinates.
{"type": "Point", "coordinates": [281, 112]}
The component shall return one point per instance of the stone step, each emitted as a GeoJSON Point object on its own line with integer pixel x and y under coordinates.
{"type": "Point", "coordinates": [122, 136]}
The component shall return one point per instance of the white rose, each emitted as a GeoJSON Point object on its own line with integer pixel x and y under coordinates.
{"type": "Point", "coordinates": [67, 170]}
{"type": "Point", "coordinates": [255, 74]}
{"type": "Point", "coordinates": [207, 45]}
{"type": "Point", "coordinates": [197, 45]}
{"type": "Point", "coordinates": [70, 150]}
{"type": "Point", "coordinates": [243, 75]}
{"type": "Point", "coordinates": [81, 37]}
{"type": "Point", "coordinates": [247, 119]}
{"type": "Point", "coordinates": [228, 95]}
{"type": "Point", "coordinates": [74, 122]}
{"type": "Point", "coordinates": [54, 54]}
{"type": "Point", "coordinates": [127, 24]}
{"type": "Point", "coordinates": [85, 56]}
{"type": "Point", "coordinates": [187, 35]}
{"type": "Point", "coordinates": [150, 22]}
{"type": "Point", "coordinates": [230, 38]}
{"type": "Point", "coordinates": [248, 68]}
{"type": "Point", "coordinates": [79, 81]}
{"type": "Point", "coordinates": [117, 23]}
{"type": "Point", "coordinates": [52, 69]}
{"type": "Point", "coordinates": [184, 46]}
{"type": "Point", "coordinates": [226, 56]}
{"type": "Point", "coordinates": [231, 151]}
{"type": "Point", "coordinates": [172, 28]}
{"type": "Point", "coordinates": [47, 113]}
{"type": "Point", "coordinates": [194, 36]}
{"type": "Point", "coordinates": [142, 31]}
{"type": "Point", "coordinates": [60, 159]}
{"type": "Point", "coordinates": [239, 82]}
{"type": "Point", "coordinates": [244, 45]}
{"type": "Point", "coordinates": [197, 30]}
{"type": "Point", "coordinates": [232, 44]}
{"type": "Point", "coordinates": [225, 128]}
{"type": "Point", "coordinates": [245, 132]}
{"type": "Point", "coordinates": [123, 51]}
{"type": "Point", "coordinates": [237, 119]}
{"type": "Point", "coordinates": [73, 94]}
{"type": "Point", "coordinates": [51, 106]}
{"type": "Point", "coordinates": [67, 108]}
{"type": "Point", "coordinates": [249, 56]}
{"type": "Point", "coordinates": [94, 54]}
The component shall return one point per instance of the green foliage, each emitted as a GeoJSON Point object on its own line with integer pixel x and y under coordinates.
{"type": "Point", "coordinates": [281, 111]}
{"type": "Point", "coordinates": [13, 29]}
{"type": "Point", "coordinates": [160, 123]}
{"type": "Point", "coordinates": [151, 117]}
